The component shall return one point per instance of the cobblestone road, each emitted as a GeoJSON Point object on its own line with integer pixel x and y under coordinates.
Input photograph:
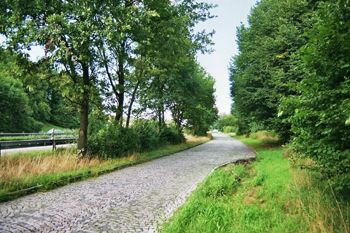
{"type": "Point", "coordinates": [134, 199]}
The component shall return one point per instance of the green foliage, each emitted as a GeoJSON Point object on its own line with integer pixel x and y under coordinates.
{"type": "Point", "coordinates": [188, 92]}
{"type": "Point", "coordinates": [259, 74]}
{"type": "Point", "coordinates": [63, 113]}
{"type": "Point", "coordinates": [229, 129]}
{"type": "Point", "coordinates": [319, 115]}
{"type": "Point", "coordinates": [255, 127]}
{"type": "Point", "coordinates": [148, 133]}
{"type": "Point", "coordinates": [114, 141]}
{"type": "Point", "coordinates": [15, 116]}
{"type": "Point", "coordinates": [292, 77]}
{"type": "Point", "coordinates": [225, 121]}
{"type": "Point", "coordinates": [118, 53]}
{"type": "Point", "coordinates": [169, 135]}
{"type": "Point", "coordinates": [44, 104]}
{"type": "Point", "coordinates": [96, 123]}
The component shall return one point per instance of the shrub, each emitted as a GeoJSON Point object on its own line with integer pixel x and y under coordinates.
{"type": "Point", "coordinates": [229, 129]}
{"type": "Point", "coordinates": [255, 127]}
{"type": "Point", "coordinates": [113, 141]}
{"type": "Point", "coordinates": [265, 136]}
{"type": "Point", "coordinates": [169, 135]}
{"type": "Point", "coordinates": [148, 134]}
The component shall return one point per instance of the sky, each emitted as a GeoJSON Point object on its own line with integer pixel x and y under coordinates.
{"type": "Point", "coordinates": [230, 14]}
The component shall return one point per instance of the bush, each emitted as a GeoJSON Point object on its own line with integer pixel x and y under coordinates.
{"type": "Point", "coordinates": [241, 128]}
{"type": "Point", "coordinates": [96, 123]}
{"type": "Point", "coordinates": [265, 136]}
{"type": "Point", "coordinates": [255, 127]}
{"type": "Point", "coordinates": [229, 129]}
{"type": "Point", "coordinates": [15, 116]}
{"type": "Point", "coordinates": [148, 134]}
{"type": "Point", "coordinates": [170, 136]}
{"type": "Point", "coordinates": [113, 141]}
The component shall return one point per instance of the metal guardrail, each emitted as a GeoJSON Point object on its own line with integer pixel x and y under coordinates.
{"type": "Point", "coordinates": [30, 134]}
{"type": "Point", "coordinates": [38, 142]}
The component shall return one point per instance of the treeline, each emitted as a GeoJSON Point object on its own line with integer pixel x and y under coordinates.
{"type": "Point", "coordinates": [123, 58]}
{"type": "Point", "coordinates": [292, 77]}
{"type": "Point", "coordinates": [28, 98]}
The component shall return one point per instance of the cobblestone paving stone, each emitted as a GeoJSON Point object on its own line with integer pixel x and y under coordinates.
{"type": "Point", "coordinates": [134, 199]}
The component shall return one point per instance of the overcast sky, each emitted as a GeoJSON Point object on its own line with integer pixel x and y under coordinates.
{"type": "Point", "coordinates": [230, 15]}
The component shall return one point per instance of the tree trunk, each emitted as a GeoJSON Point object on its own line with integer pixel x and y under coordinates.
{"type": "Point", "coordinates": [121, 83]}
{"type": "Point", "coordinates": [84, 113]}
{"type": "Point", "coordinates": [159, 120]}
{"type": "Point", "coordinates": [179, 120]}
{"type": "Point", "coordinates": [131, 103]}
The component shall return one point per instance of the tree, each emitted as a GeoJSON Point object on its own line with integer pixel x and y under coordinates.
{"type": "Point", "coordinates": [319, 114]}
{"type": "Point", "coordinates": [101, 48]}
{"type": "Point", "coordinates": [62, 112]}
{"type": "Point", "coordinates": [191, 98]}
{"type": "Point", "coordinates": [171, 47]}
{"type": "Point", "coordinates": [69, 32]}
{"type": "Point", "coordinates": [266, 62]}
{"type": "Point", "coordinates": [15, 115]}
{"type": "Point", "coordinates": [225, 121]}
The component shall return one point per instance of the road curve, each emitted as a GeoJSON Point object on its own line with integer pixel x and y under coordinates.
{"type": "Point", "coordinates": [135, 199]}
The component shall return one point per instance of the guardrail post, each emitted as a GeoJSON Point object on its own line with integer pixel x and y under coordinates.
{"type": "Point", "coordinates": [53, 139]}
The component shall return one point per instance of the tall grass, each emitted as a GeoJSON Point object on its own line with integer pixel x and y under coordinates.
{"type": "Point", "coordinates": [268, 195]}
{"type": "Point", "coordinates": [46, 168]}
{"type": "Point", "coordinates": [265, 136]}
{"type": "Point", "coordinates": [316, 202]}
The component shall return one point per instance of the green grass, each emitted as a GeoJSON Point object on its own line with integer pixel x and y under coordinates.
{"type": "Point", "coordinates": [253, 142]}
{"type": "Point", "coordinates": [264, 196]}
{"type": "Point", "coordinates": [33, 137]}
{"type": "Point", "coordinates": [48, 126]}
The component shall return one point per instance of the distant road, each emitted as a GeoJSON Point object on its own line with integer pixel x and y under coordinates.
{"type": "Point", "coordinates": [25, 149]}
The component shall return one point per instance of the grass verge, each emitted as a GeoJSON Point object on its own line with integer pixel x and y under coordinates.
{"type": "Point", "coordinates": [46, 170]}
{"type": "Point", "coordinates": [33, 137]}
{"type": "Point", "coordinates": [268, 195]}
{"type": "Point", "coordinates": [48, 126]}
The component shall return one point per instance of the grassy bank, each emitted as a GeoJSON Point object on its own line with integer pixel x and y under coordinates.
{"type": "Point", "coordinates": [268, 195]}
{"type": "Point", "coordinates": [48, 126]}
{"type": "Point", "coordinates": [47, 170]}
